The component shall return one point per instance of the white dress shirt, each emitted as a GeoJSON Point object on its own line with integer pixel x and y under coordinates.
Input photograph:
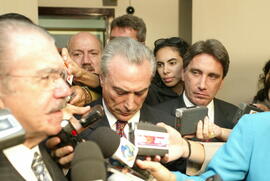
{"type": "Point", "coordinates": [21, 158]}
{"type": "Point", "coordinates": [112, 119]}
{"type": "Point", "coordinates": [210, 107]}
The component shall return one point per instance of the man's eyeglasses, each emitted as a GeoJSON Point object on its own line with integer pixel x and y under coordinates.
{"type": "Point", "coordinates": [172, 40]}
{"type": "Point", "coordinates": [45, 79]}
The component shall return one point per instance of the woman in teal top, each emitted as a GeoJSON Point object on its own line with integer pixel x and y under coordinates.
{"type": "Point", "coordinates": [245, 156]}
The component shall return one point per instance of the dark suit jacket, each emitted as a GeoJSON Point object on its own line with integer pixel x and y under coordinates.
{"type": "Point", "coordinates": [224, 112]}
{"type": "Point", "coordinates": [148, 114]}
{"type": "Point", "coordinates": [9, 173]}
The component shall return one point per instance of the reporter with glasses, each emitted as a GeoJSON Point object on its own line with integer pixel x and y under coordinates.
{"type": "Point", "coordinates": [167, 83]}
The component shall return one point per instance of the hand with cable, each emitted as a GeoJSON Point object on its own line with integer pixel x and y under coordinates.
{"type": "Point", "coordinates": [64, 155]}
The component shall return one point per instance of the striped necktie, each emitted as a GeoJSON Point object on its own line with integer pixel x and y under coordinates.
{"type": "Point", "coordinates": [39, 168]}
{"type": "Point", "coordinates": [120, 125]}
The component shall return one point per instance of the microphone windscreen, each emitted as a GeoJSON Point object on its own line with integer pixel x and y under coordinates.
{"type": "Point", "coordinates": [88, 163]}
{"type": "Point", "coordinates": [106, 139]}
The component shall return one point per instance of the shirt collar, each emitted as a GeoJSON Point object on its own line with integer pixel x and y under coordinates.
{"type": "Point", "coordinates": [210, 106]}
{"type": "Point", "coordinates": [112, 119]}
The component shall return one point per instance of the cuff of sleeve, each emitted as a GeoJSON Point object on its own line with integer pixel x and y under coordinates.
{"type": "Point", "coordinates": [182, 177]}
{"type": "Point", "coordinates": [210, 149]}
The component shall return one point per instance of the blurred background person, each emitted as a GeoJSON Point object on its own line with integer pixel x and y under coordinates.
{"type": "Point", "coordinates": [168, 83]}
{"type": "Point", "coordinates": [261, 99]}
{"type": "Point", "coordinates": [128, 26]}
{"type": "Point", "coordinates": [85, 49]}
{"type": "Point", "coordinates": [85, 54]}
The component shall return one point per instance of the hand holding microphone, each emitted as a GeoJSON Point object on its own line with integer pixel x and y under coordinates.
{"type": "Point", "coordinates": [63, 144]}
{"type": "Point", "coordinates": [71, 129]}
{"type": "Point", "coordinates": [120, 149]}
{"type": "Point", "coordinates": [149, 140]}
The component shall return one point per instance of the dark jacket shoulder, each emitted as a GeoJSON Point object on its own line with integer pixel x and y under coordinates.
{"type": "Point", "coordinates": [225, 113]}
{"type": "Point", "coordinates": [158, 94]}
{"type": "Point", "coordinates": [154, 115]}
{"type": "Point", "coordinates": [171, 105]}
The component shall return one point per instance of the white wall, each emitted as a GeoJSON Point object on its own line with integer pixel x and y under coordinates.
{"type": "Point", "coordinates": [161, 17]}
{"type": "Point", "coordinates": [243, 27]}
{"type": "Point", "coordinates": [25, 7]}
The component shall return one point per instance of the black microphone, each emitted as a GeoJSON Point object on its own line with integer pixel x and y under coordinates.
{"type": "Point", "coordinates": [119, 148]}
{"type": "Point", "coordinates": [245, 109]}
{"type": "Point", "coordinates": [112, 145]}
{"type": "Point", "coordinates": [70, 131]}
{"type": "Point", "coordinates": [88, 163]}
{"type": "Point", "coordinates": [96, 113]}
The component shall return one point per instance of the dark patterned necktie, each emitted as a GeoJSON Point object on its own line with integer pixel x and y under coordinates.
{"type": "Point", "coordinates": [120, 125]}
{"type": "Point", "coordinates": [39, 168]}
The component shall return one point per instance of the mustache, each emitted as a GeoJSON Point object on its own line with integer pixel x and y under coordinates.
{"type": "Point", "coordinates": [88, 67]}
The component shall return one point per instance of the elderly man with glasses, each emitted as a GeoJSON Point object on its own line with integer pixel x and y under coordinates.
{"type": "Point", "coordinates": [33, 87]}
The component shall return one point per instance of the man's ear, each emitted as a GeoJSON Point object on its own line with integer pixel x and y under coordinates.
{"type": "Point", "coordinates": [182, 75]}
{"type": "Point", "coordinates": [222, 82]}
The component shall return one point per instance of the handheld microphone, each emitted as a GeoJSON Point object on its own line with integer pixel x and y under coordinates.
{"type": "Point", "coordinates": [11, 131]}
{"type": "Point", "coordinates": [88, 163]}
{"type": "Point", "coordinates": [93, 116]}
{"type": "Point", "coordinates": [150, 139]}
{"type": "Point", "coordinates": [70, 131]}
{"type": "Point", "coordinates": [245, 109]}
{"type": "Point", "coordinates": [122, 150]}
{"type": "Point", "coordinates": [249, 108]}
{"type": "Point", "coordinates": [112, 145]}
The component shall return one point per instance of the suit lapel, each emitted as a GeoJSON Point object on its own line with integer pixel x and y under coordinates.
{"type": "Point", "coordinates": [7, 170]}
{"type": "Point", "coordinates": [219, 116]}
{"type": "Point", "coordinates": [55, 172]}
{"type": "Point", "coordinates": [180, 104]}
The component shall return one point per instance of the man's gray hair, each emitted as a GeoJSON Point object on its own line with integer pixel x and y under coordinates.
{"type": "Point", "coordinates": [8, 29]}
{"type": "Point", "coordinates": [134, 52]}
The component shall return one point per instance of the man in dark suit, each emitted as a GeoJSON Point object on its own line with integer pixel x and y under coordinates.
{"type": "Point", "coordinates": [33, 88]}
{"type": "Point", "coordinates": [206, 65]}
{"type": "Point", "coordinates": [125, 77]}
{"type": "Point", "coordinates": [127, 68]}
{"type": "Point", "coordinates": [147, 114]}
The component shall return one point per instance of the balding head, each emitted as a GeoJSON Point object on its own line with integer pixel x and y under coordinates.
{"type": "Point", "coordinates": [85, 49]}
